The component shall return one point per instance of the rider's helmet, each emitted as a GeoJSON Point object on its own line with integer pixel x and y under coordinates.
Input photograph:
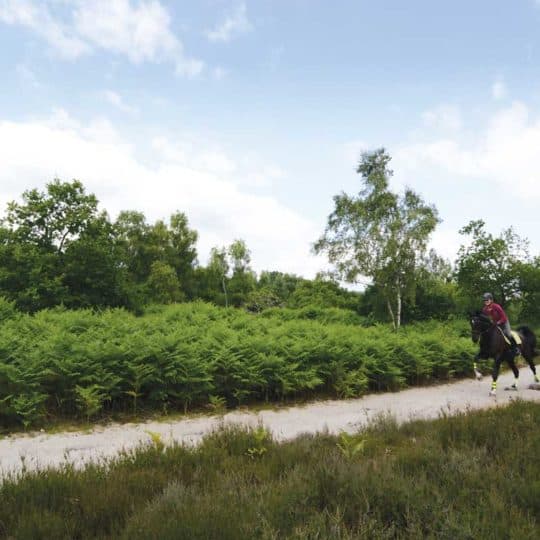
{"type": "Point", "coordinates": [488, 296]}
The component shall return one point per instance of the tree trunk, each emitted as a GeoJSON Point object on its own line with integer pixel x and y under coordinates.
{"type": "Point", "coordinates": [398, 314]}
{"type": "Point", "coordinates": [391, 311]}
{"type": "Point", "coordinates": [225, 291]}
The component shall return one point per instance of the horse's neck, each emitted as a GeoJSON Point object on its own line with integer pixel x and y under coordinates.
{"type": "Point", "coordinates": [488, 339]}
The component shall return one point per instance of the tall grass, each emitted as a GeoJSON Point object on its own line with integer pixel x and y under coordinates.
{"type": "Point", "coordinates": [464, 477]}
{"type": "Point", "coordinates": [82, 364]}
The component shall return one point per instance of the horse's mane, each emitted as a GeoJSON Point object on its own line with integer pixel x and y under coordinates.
{"type": "Point", "coordinates": [483, 317]}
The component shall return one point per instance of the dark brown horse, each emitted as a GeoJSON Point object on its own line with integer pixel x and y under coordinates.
{"type": "Point", "coordinates": [493, 345]}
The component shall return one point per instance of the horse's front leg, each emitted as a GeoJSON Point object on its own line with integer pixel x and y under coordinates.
{"type": "Point", "coordinates": [495, 374]}
{"type": "Point", "coordinates": [477, 373]}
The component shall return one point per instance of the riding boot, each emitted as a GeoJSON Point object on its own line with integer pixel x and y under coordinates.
{"type": "Point", "coordinates": [514, 346]}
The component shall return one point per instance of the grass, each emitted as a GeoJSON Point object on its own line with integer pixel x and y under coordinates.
{"type": "Point", "coordinates": [465, 476]}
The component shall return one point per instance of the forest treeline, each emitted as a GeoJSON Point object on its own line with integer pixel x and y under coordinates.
{"type": "Point", "coordinates": [57, 247]}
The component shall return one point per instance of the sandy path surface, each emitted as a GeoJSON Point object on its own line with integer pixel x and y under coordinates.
{"type": "Point", "coordinates": [40, 450]}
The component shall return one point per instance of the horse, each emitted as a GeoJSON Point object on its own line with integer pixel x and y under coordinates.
{"type": "Point", "coordinates": [494, 345]}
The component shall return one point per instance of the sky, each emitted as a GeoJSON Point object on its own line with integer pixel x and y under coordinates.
{"type": "Point", "coordinates": [249, 116]}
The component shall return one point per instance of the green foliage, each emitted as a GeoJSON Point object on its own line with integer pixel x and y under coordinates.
{"type": "Point", "coordinates": [350, 445]}
{"type": "Point", "coordinates": [228, 279]}
{"type": "Point", "coordinates": [66, 363]}
{"type": "Point", "coordinates": [489, 264]}
{"type": "Point", "coordinates": [162, 256]}
{"type": "Point", "coordinates": [317, 313]}
{"type": "Point", "coordinates": [466, 476]}
{"type": "Point", "coordinates": [262, 437]}
{"type": "Point", "coordinates": [279, 283]}
{"type": "Point", "coordinates": [90, 399]}
{"type": "Point", "coordinates": [163, 285]}
{"type": "Point", "coordinates": [529, 277]}
{"type": "Point", "coordinates": [54, 218]}
{"type": "Point", "coordinates": [55, 248]}
{"type": "Point", "coordinates": [323, 293]}
{"type": "Point", "coordinates": [261, 299]}
{"type": "Point", "coordinates": [7, 309]}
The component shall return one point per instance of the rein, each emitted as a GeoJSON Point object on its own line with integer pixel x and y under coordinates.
{"type": "Point", "coordinates": [480, 332]}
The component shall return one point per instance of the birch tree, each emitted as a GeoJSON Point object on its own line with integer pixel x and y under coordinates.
{"type": "Point", "coordinates": [379, 234]}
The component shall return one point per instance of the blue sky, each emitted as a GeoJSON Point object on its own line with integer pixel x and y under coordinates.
{"type": "Point", "coordinates": [250, 115]}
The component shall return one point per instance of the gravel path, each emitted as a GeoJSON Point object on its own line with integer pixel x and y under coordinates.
{"type": "Point", "coordinates": [38, 450]}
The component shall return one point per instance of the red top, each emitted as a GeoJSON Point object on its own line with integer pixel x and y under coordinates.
{"type": "Point", "coordinates": [495, 313]}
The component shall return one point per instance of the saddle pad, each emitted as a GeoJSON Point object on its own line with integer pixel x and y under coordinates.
{"type": "Point", "coordinates": [517, 337]}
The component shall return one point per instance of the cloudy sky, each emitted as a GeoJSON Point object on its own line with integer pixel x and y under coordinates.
{"type": "Point", "coordinates": [250, 115]}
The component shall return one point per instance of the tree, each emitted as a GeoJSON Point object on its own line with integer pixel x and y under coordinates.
{"type": "Point", "coordinates": [378, 234]}
{"type": "Point", "coordinates": [53, 218]}
{"type": "Point", "coordinates": [44, 239]}
{"type": "Point", "coordinates": [435, 291]}
{"type": "Point", "coordinates": [92, 269]}
{"type": "Point", "coordinates": [163, 284]}
{"type": "Point", "coordinates": [489, 263]}
{"type": "Point", "coordinates": [171, 244]}
{"type": "Point", "coordinates": [323, 292]}
{"type": "Point", "coordinates": [529, 283]}
{"type": "Point", "coordinates": [243, 279]}
{"type": "Point", "coordinates": [281, 284]}
{"type": "Point", "coordinates": [218, 268]}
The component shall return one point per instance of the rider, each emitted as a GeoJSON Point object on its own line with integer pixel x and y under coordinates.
{"type": "Point", "coordinates": [496, 313]}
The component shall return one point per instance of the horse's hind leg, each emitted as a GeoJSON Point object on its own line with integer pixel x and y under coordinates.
{"type": "Point", "coordinates": [530, 360]}
{"type": "Point", "coordinates": [515, 371]}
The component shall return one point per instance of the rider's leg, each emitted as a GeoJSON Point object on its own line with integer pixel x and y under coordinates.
{"type": "Point", "coordinates": [508, 333]}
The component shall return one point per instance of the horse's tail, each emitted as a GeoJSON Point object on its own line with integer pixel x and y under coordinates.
{"type": "Point", "coordinates": [529, 337]}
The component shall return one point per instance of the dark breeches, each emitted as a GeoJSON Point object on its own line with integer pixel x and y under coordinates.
{"type": "Point", "coordinates": [497, 365]}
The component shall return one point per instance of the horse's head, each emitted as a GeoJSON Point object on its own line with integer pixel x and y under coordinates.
{"type": "Point", "coordinates": [480, 323]}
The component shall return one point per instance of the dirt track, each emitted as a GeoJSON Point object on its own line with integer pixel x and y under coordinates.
{"type": "Point", "coordinates": [39, 450]}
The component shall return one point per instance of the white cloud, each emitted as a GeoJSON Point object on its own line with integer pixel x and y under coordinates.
{"type": "Point", "coordinates": [37, 17]}
{"type": "Point", "coordinates": [498, 90]}
{"type": "Point", "coordinates": [445, 117]}
{"type": "Point", "coordinates": [117, 101]}
{"type": "Point", "coordinates": [235, 24]}
{"type": "Point", "coordinates": [505, 153]}
{"type": "Point", "coordinates": [446, 242]}
{"type": "Point", "coordinates": [140, 31]}
{"type": "Point", "coordinates": [202, 181]}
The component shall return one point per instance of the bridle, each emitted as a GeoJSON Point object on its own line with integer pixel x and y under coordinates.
{"type": "Point", "coordinates": [476, 321]}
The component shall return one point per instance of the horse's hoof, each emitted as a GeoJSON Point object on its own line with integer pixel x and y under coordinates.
{"type": "Point", "coordinates": [478, 375]}
{"type": "Point", "coordinates": [493, 393]}
{"type": "Point", "coordinates": [513, 388]}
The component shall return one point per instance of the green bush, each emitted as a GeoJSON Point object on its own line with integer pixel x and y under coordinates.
{"type": "Point", "coordinates": [85, 364]}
